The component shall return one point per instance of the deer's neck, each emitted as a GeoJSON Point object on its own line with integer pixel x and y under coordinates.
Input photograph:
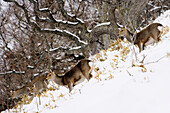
{"type": "Point", "coordinates": [129, 36]}
{"type": "Point", "coordinates": [59, 80]}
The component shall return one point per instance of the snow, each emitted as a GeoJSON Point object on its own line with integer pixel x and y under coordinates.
{"type": "Point", "coordinates": [68, 32]}
{"type": "Point", "coordinates": [43, 9]}
{"type": "Point", "coordinates": [4, 5]}
{"type": "Point", "coordinates": [56, 29]}
{"type": "Point", "coordinates": [30, 66]}
{"type": "Point", "coordinates": [74, 48]}
{"type": "Point", "coordinates": [120, 83]}
{"type": "Point", "coordinates": [9, 72]}
{"type": "Point", "coordinates": [80, 20]}
{"type": "Point", "coordinates": [155, 7]}
{"type": "Point", "coordinates": [75, 36]}
{"type": "Point", "coordinates": [102, 24]}
{"type": "Point", "coordinates": [68, 22]}
{"type": "Point", "coordinates": [54, 49]}
{"type": "Point", "coordinates": [71, 15]}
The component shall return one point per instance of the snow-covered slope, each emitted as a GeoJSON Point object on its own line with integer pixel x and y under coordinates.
{"type": "Point", "coordinates": [120, 84]}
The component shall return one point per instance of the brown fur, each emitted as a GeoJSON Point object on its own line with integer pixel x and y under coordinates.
{"type": "Point", "coordinates": [81, 70]}
{"type": "Point", "coordinates": [142, 37]}
{"type": "Point", "coordinates": [20, 92]}
{"type": "Point", "coordinates": [36, 86]}
{"type": "Point", "coordinates": [85, 68]}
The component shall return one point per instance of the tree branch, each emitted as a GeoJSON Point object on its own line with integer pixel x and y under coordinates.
{"type": "Point", "coordinates": [56, 31]}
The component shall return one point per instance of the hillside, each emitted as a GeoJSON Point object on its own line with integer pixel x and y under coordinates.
{"type": "Point", "coordinates": [120, 84]}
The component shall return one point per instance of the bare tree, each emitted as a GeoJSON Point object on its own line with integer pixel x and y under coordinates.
{"type": "Point", "coordinates": [38, 36]}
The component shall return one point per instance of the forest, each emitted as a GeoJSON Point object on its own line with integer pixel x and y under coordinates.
{"type": "Point", "coordinates": [38, 37]}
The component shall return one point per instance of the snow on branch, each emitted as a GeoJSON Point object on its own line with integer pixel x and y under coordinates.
{"type": "Point", "coordinates": [64, 48]}
{"type": "Point", "coordinates": [31, 67]}
{"type": "Point", "coordinates": [58, 48]}
{"type": "Point", "coordinates": [155, 8]}
{"type": "Point", "coordinates": [53, 30]}
{"type": "Point", "coordinates": [71, 15]}
{"type": "Point", "coordinates": [13, 72]}
{"type": "Point", "coordinates": [68, 16]}
{"type": "Point", "coordinates": [75, 48]}
{"type": "Point", "coordinates": [102, 24]}
{"type": "Point", "coordinates": [80, 20]}
{"type": "Point", "coordinates": [60, 22]}
{"type": "Point", "coordinates": [64, 33]}
{"type": "Point", "coordinates": [67, 22]}
{"type": "Point", "coordinates": [57, 31]}
{"type": "Point", "coordinates": [43, 9]}
{"type": "Point", "coordinates": [70, 20]}
{"type": "Point", "coordinates": [75, 37]}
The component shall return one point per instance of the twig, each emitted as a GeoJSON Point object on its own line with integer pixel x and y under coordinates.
{"type": "Point", "coordinates": [129, 73]}
{"type": "Point", "coordinates": [144, 56]}
{"type": "Point", "coordinates": [155, 61]}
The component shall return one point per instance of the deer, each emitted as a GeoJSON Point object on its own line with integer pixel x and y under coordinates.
{"type": "Point", "coordinates": [143, 37]}
{"type": "Point", "coordinates": [33, 88]}
{"type": "Point", "coordinates": [20, 92]}
{"type": "Point", "coordinates": [81, 71]}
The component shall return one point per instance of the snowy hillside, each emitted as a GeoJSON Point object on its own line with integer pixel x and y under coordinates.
{"type": "Point", "coordinates": [120, 84]}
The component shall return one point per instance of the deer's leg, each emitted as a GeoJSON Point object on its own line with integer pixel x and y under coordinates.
{"type": "Point", "coordinates": [39, 99]}
{"type": "Point", "coordinates": [31, 98]}
{"type": "Point", "coordinates": [143, 47]}
{"type": "Point", "coordinates": [70, 86]}
{"type": "Point", "coordinates": [159, 37]}
{"type": "Point", "coordinates": [156, 37]}
{"type": "Point", "coordinates": [139, 45]}
{"type": "Point", "coordinates": [90, 76]}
